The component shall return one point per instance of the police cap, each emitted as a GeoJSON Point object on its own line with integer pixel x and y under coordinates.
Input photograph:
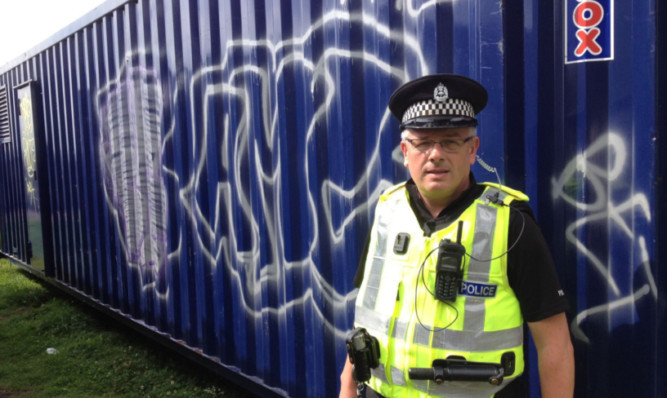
{"type": "Point", "coordinates": [438, 101]}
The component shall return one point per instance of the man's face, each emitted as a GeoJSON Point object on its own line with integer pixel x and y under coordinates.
{"type": "Point", "coordinates": [440, 173]}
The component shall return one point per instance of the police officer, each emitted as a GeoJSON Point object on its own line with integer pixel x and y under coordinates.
{"type": "Point", "coordinates": [421, 311]}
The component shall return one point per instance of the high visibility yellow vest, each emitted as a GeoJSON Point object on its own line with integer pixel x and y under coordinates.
{"type": "Point", "coordinates": [396, 305]}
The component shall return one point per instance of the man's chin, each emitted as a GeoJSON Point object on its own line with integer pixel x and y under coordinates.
{"type": "Point", "coordinates": [437, 187]}
{"type": "Point", "coordinates": [438, 191]}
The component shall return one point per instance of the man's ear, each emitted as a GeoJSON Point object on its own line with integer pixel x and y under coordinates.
{"type": "Point", "coordinates": [473, 150]}
{"type": "Point", "coordinates": [404, 149]}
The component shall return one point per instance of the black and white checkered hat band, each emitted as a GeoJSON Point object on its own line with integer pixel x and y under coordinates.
{"type": "Point", "coordinates": [451, 107]}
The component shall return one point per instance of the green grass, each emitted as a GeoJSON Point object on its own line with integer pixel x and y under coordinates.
{"type": "Point", "coordinates": [95, 357]}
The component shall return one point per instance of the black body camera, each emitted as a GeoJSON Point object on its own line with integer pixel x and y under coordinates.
{"type": "Point", "coordinates": [449, 268]}
{"type": "Point", "coordinates": [364, 352]}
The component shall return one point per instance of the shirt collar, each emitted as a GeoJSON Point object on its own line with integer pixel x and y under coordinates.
{"type": "Point", "coordinates": [447, 215]}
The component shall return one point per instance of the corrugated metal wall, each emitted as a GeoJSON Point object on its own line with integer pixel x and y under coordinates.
{"type": "Point", "coordinates": [209, 169]}
{"type": "Point", "coordinates": [598, 197]}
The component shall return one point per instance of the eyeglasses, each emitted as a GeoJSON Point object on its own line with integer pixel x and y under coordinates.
{"type": "Point", "coordinates": [450, 145]}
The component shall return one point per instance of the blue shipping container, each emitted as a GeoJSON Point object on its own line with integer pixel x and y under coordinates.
{"type": "Point", "coordinates": [207, 170]}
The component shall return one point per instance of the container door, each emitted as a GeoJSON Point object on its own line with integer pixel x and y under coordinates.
{"type": "Point", "coordinates": [27, 129]}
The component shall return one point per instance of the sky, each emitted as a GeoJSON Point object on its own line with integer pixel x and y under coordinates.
{"type": "Point", "coordinates": [26, 23]}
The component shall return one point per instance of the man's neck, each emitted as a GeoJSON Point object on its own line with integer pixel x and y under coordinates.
{"type": "Point", "coordinates": [435, 207]}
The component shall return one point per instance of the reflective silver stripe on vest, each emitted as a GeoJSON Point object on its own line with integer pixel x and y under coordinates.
{"type": "Point", "coordinates": [400, 329]}
{"type": "Point", "coordinates": [373, 285]}
{"type": "Point", "coordinates": [460, 389]}
{"type": "Point", "coordinates": [476, 341]}
{"type": "Point", "coordinates": [422, 334]}
{"type": "Point", "coordinates": [421, 385]}
{"type": "Point", "coordinates": [479, 266]}
{"type": "Point", "coordinates": [482, 248]}
{"type": "Point", "coordinates": [379, 373]}
{"type": "Point", "coordinates": [371, 320]}
{"type": "Point", "coordinates": [397, 377]}
{"type": "Point", "coordinates": [375, 276]}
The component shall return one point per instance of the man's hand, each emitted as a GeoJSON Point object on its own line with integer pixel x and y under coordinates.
{"type": "Point", "coordinates": [348, 388]}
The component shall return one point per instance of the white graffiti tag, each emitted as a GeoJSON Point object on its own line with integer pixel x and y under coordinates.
{"type": "Point", "coordinates": [598, 206]}
{"type": "Point", "coordinates": [236, 152]}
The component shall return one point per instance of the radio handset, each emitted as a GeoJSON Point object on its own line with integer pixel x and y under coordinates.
{"type": "Point", "coordinates": [449, 267]}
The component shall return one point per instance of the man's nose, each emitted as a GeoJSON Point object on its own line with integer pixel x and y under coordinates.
{"type": "Point", "coordinates": [437, 152]}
